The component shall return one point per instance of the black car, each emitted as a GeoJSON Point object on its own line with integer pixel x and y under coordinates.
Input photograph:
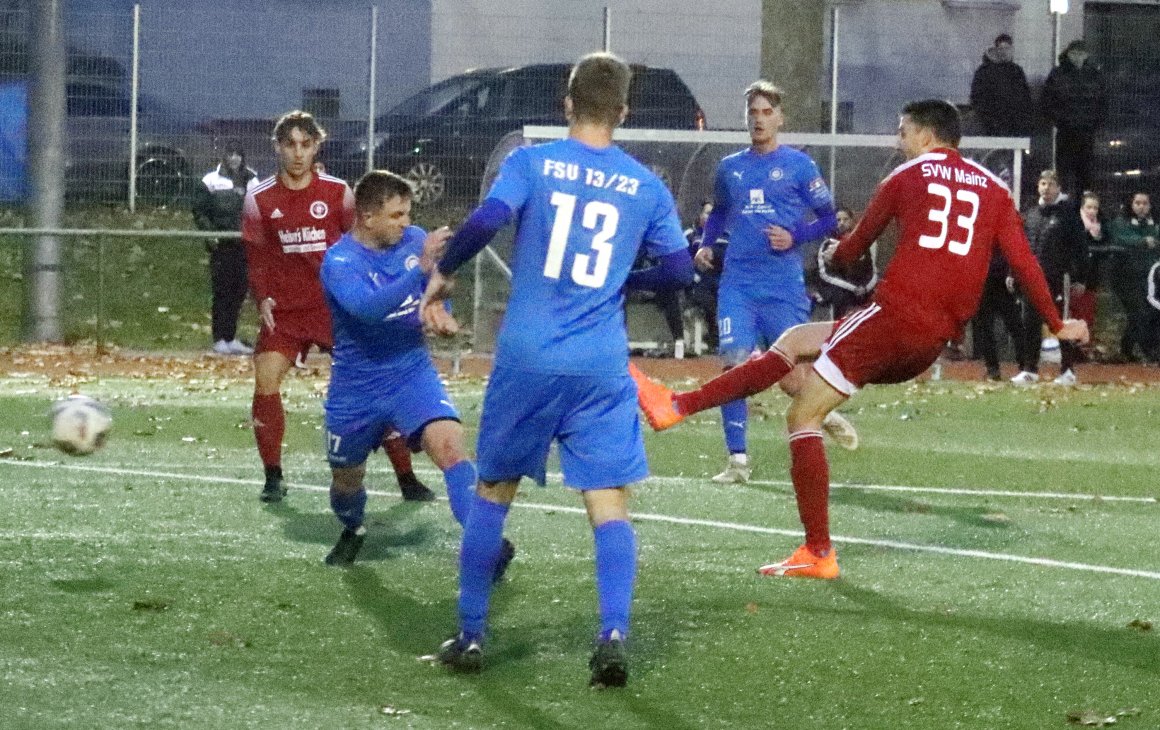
{"type": "Point", "coordinates": [441, 138]}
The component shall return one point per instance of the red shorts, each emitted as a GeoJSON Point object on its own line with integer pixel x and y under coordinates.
{"type": "Point", "coordinates": [294, 332]}
{"type": "Point", "coordinates": [873, 345]}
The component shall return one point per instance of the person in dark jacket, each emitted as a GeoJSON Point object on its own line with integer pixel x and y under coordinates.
{"type": "Point", "coordinates": [1059, 242]}
{"type": "Point", "coordinates": [217, 206]}
{"type": "Point", "coordinates": [1000, 95]}
{"type": "Point", "coordinates": [998, 300]}
{"type": "Point", "coordinates": [1138, 236]}
{"type": "Point", "coordinates": [1075, 99]}
{"type": "Point", "coordinates": [847, 289]}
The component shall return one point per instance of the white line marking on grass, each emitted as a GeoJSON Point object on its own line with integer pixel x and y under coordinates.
{"type": "Point", "coordinates": [648, 517]}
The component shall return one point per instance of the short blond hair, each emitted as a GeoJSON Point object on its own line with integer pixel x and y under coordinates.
{"type": "Point", "coordinates": [598, 88]}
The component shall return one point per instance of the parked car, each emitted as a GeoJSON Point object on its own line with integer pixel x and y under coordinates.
{"type": "Point", "coordinates": [441, 137]}
{"type": "Point", "coordinates": [98, 129]}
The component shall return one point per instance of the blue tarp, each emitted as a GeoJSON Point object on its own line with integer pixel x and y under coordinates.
{"type": "Point", "coordinates": [13, 140]}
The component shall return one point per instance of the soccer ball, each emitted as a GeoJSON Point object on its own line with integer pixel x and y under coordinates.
{"type": "Point", "coordinates": [80, 425]}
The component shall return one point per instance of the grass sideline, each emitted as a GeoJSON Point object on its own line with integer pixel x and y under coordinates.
{"type": "Point", "coordinates": [146, 586]}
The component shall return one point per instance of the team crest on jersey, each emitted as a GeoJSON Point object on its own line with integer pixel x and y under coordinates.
{"type": "Point", "coordinates": [411, 262]}
{"type": "Point", "coordinates": [756, 196]}
{"type": "Point", "coordinates": [319, 209]}
{"type": "Point", "coordinates": [776, 174]}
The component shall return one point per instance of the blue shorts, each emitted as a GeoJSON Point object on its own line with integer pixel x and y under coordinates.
{"type": "Point", "coordinates": [356, 424]}
{"type": "Point", "coordinates": [749, 320]}
{"type": "Point", "coordinates": [592, 417]}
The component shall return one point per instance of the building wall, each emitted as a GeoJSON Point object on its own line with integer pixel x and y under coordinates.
{"type": "Point", "coordinates": [714, 47]}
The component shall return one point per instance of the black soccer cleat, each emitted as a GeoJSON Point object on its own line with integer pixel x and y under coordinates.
{"type": "Point", "coordinates": [414, 490]}
{"type": "Point", "coordinates": [507, 551]}
{"type": "Point", "coordinates": [609, 663]}
{"type": "Point", "coordinates": [346, 549]}
{"type": "Point", "coordinates": [461, 654]}
{"type": "Point", "coordinates": [274, 489]}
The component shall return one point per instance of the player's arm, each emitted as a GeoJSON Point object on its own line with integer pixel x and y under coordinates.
{"type": "Point", "coordinates": [476, 232]}
{"type": "Point", "coordinates": [713, 240]}
{"type": "Point", "coordinates": [881, 210]}
{"type": "Point", "coordinates": [1016, 249]}
{"type": "Point", "coordinates": [812, 187]}
{"type": "Point", "coordinates": [354, 291]}
{"type": "Point", "coordinates": [664, 241]}
{"type": "Point", "coordinates": [258, 259]}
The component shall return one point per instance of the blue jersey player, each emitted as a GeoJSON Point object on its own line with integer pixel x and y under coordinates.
{"type": "Point", "coordinates": [583, 208]}
{"type": "Point", "coordinates": [382, 374]}
{"type": "Point", "coordinates": [771, 200]}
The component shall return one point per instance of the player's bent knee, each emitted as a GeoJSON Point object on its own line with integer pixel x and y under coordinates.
{"type": "Point", "coordinates": [443, 442]}
{"type": "Point", "coordinates": [606, 505]}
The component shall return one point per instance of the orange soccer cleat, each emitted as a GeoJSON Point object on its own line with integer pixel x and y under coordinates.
{"type": "Point", "coordinates": [804, 564]}
{"type": "Point", "coordinates": [656, 401]}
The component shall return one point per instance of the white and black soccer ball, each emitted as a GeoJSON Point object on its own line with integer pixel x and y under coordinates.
{"type": "Point", "coordinates": [80, 425]}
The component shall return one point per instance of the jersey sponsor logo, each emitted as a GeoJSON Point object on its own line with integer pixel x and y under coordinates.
{"type": "Point", "coordinates": [776, 173]}
{"type": "Point", "coordinates": [411, 262]}
{"type": "Point", "coordinates": [306, 239]}
{"type": "Point", "coordinates": [817, 185]}
{"type": "Point", "coordinates": [319, 209]}
{"type": "Point", "coordinates": [958, 174]}
{"type": "Point", "coordinates": [756, 196]}
{"type": "Point", "coordinates": [276, 214]}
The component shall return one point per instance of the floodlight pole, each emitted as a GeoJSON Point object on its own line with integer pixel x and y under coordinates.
{"type": "Point", "coordinates": [46, 157]}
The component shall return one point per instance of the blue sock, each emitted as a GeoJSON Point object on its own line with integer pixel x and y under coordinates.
{"type": "Point", "coordinates": [734, 416]}
{"type": "Point", "coordinates": [460, 479]}
{"type": "Point", "coordinates": [482, 537]}
{"type": "Point", "coordinates": [348, 508]}
{"type": "Point", "coordinates": [615, 574]}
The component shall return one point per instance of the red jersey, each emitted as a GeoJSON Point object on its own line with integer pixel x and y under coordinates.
{"type": "Point", "coordinates": [287, 232]}
{"type": "Point", "coordinates": [952, 213]}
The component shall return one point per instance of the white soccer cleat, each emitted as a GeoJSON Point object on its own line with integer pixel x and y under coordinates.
{"type": "Point", "coordinates": [1025, 379]}
{"type": "Point", "coordinates": [1066, 378]}
{"type": "Point", "coordinates": [841, 430]}
{"type": "Point", "coordinates": [237, 347]}
{"type": "Point", "coordinates": [736, 472]}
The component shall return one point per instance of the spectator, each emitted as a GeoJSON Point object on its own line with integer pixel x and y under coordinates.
{"type": "Point", "coordinates": [703, 293]}
{"type": "Point", "coordinates": [217, 206]}
{"type": "Point", "coordinates": [999, 92]}
{"type": "Point", "coordinates": [998, 300]}
{"type": "Point", "coordinates": [1137, 234]}
{"type": "Point", "coordinates": [844, 290]}
{"type": "Point", "coordinates": [1057, 239]}
{"type": "Point", "coordinates": [1083, 306]}
{"type": "Point", "coordinates": [1075, 100]}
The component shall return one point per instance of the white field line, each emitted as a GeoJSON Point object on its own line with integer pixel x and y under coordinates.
{"type": "Point", "coordinates": [686, 481]}
{"type": "Point", "coordinates": [648, 517]}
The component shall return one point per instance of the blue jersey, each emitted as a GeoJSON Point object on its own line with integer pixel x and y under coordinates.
{"type": "Point", "coordinates": [582, 215]}
{"type": "Point", "coordinates": [373, 297]}
{"type": "Point", "coordinates": [759, 190]}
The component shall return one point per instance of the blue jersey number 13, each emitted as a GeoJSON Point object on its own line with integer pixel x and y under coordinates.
{"type": "Point", "coordinates": [598, 216]}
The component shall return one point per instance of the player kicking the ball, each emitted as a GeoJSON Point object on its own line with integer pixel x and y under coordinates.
{"type": "Point", "coordinates": [952, 213]}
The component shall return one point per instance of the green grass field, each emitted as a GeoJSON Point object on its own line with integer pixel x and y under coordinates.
{"type": "Point", "coordinates": [999, 571]}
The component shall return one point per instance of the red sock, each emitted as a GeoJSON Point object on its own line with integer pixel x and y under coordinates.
{"type": "Point", "coordinates": [811, 483]}
{"type": "Point", "coordinates": [750, 378]}
{"type": "Point", "coordinates": [396, 447]}
{"type": "Point", "coordinates": [269, 427]}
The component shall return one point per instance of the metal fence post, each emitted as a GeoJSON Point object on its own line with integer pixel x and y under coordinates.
{"type": "Point", "coordinates": [133, 93]}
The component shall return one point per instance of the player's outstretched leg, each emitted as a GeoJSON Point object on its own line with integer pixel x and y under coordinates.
{"type": "Point", "coordinates": [804, 564]}
{"type": "Point", "coordinates": [609, 662]}
{"type": "Point", "coordinates": [412, 489]}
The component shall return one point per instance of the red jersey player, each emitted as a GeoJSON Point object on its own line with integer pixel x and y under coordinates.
{"type": "Point", "coordinates": [288, 222]}
{"type": "Point", "coordinates": [952, 213]}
